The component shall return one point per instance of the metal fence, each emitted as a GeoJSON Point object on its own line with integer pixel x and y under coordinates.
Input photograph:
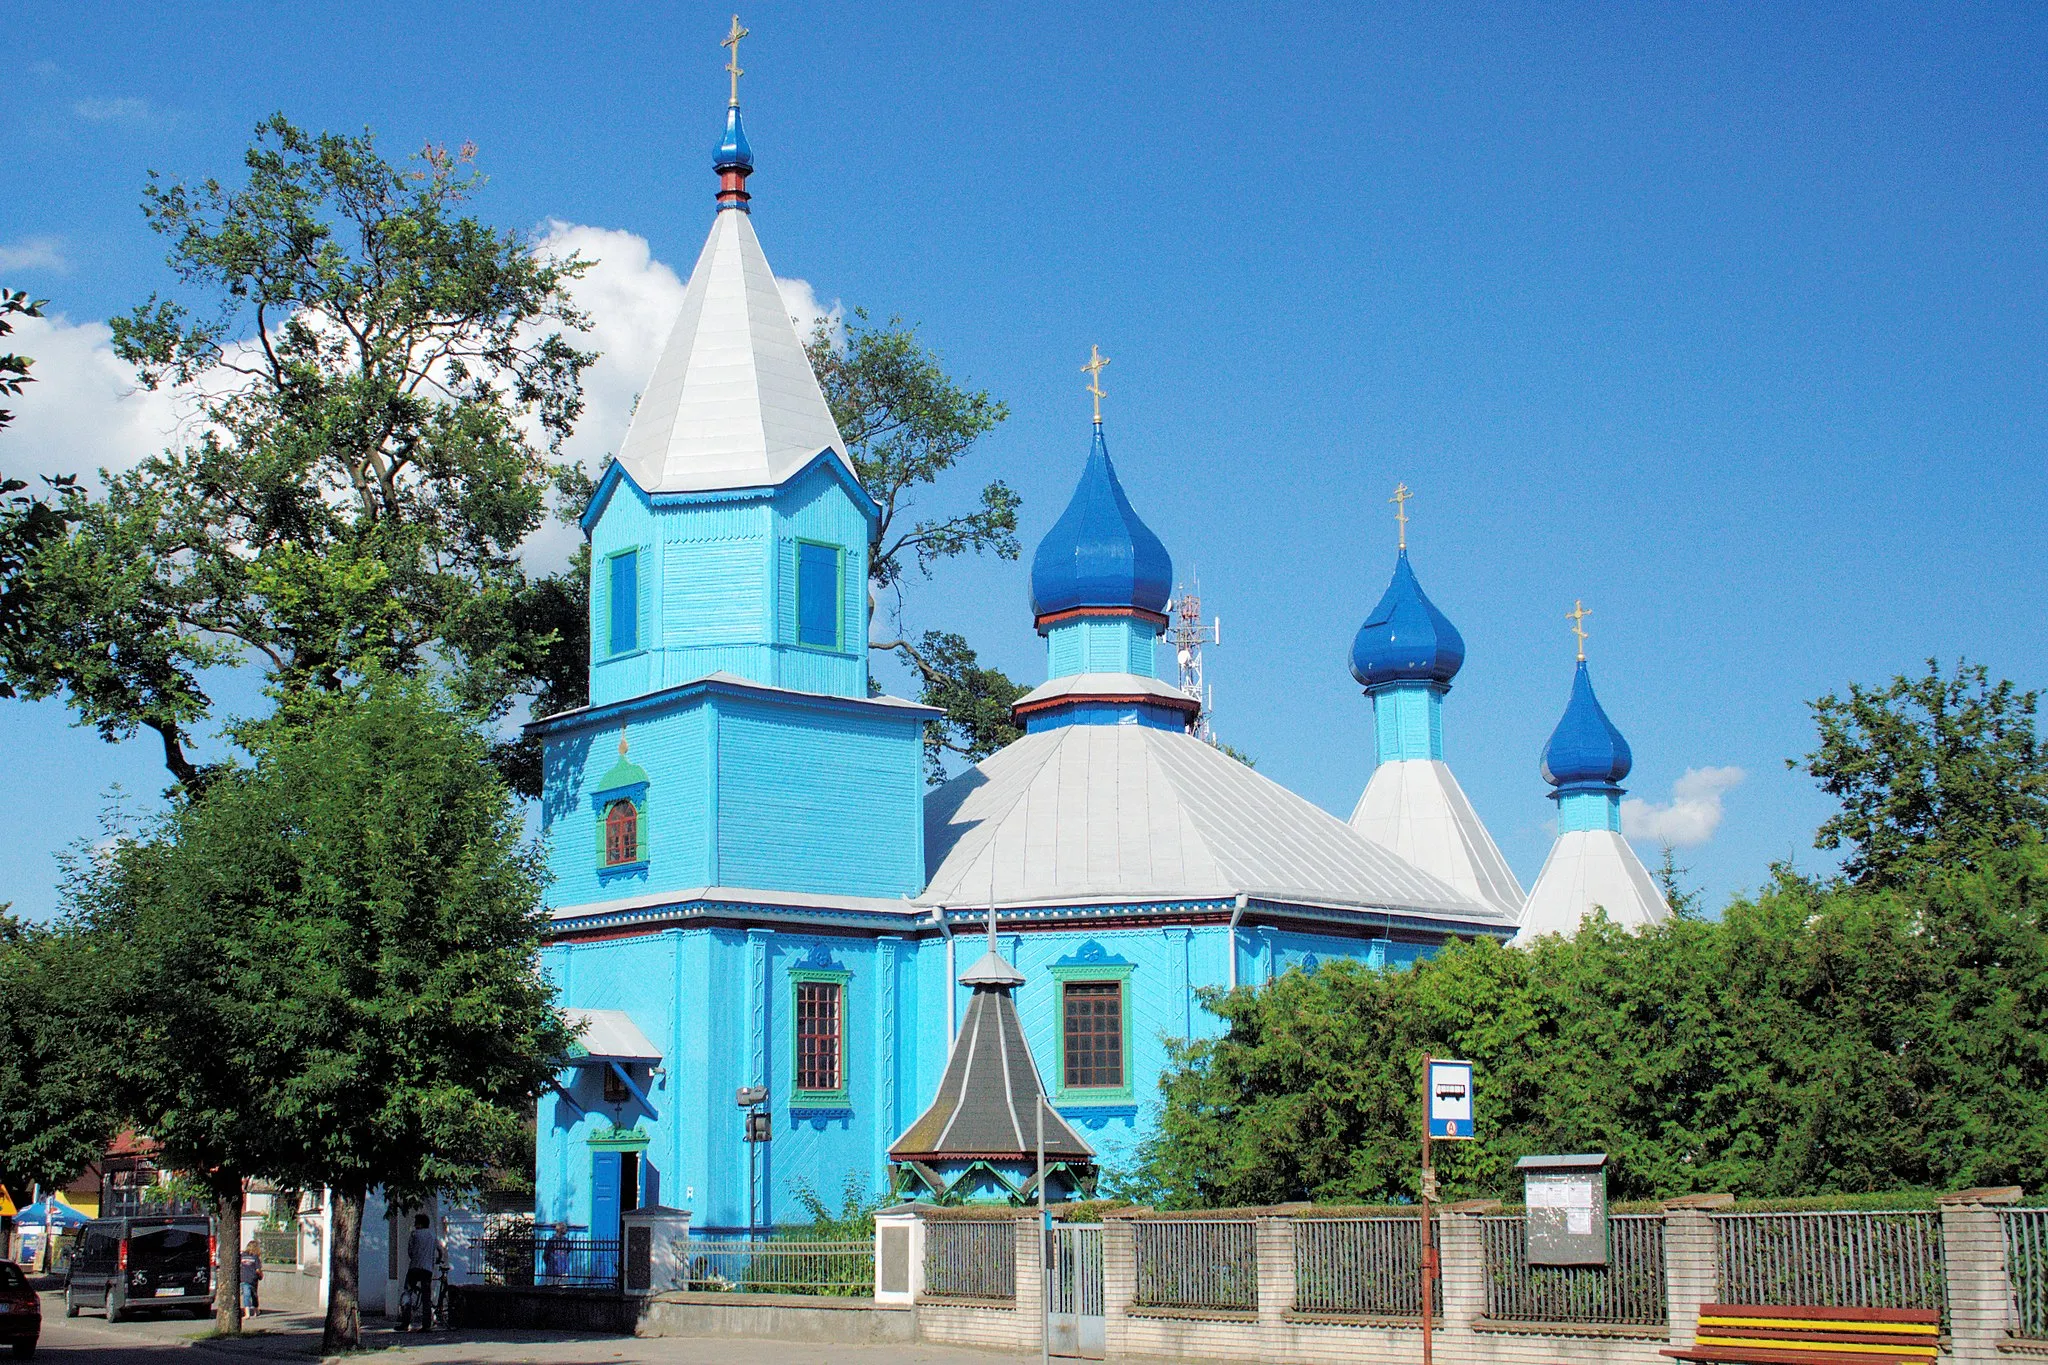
{"type": "Point", "coordinates": [550, 1261]}
{"type": "Point", "coordinates": [278, 1246]}
{"type": "Point", "coordinates": [1197, 1263]}
{"type": "Point", "coordinates": [1879, 1259]}
{"type": "Point", "coordinates": [2026, 1268]}
{"type": "Point", "coordinates": [845, 1269]}
{"type": "Point", "coordinates": [1365, 1266]}
{"type": "Point", "coordinates": [1627, 1291]}
{"type": "Point", "coordinates": [970, 1260]}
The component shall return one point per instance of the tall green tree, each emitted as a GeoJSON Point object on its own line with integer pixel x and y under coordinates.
{"type": "Point", "coordinates": [323, 969]}
{"type": "Point", "coordinates": [409, 905]}
{"type": "Point", "coordinates": [183, 1018]}
{"type": "Point", "coordinates": [383, 385]}
{"type": "Point", "coordinates": [907, 424]}
{"type": "Point", "coordinates": [56, 1116]}
{"type": "Point", "coordinates": [1931, 772]}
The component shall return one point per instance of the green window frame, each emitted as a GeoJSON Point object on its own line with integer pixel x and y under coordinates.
{"type": "Point", "coordinates": [1096, 975]}
{"type": "Point", "coordinates": [820, 582]}
{"type": "Point", "coordinates": [814, 1096]}
{"type": "Point", "coordinates": [626, 781]}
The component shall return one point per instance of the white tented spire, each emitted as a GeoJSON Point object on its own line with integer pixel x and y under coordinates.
{"type": "Point", "coordinates": [1589, 869]}
{"type": "Point", "coordinates": [732, 402]}
{"type": "Point", "coordinates": [1416, 808]}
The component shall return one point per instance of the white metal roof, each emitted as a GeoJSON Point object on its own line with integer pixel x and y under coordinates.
{"type": "Point", "coordinates": [1127, 812]}
{"type": "Point", "coordinates": [1103, 685]}
{"type": "Point", "coordinates": [1588, 868]}
{"type": "Point", "coordinates": [732, 402]}
{"type": "Point", "coordinates": [1416, 808]}
{"type": "Point", "coordinates": [609, 1035]}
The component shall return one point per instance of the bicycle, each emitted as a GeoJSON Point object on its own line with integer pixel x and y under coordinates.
{"type": "Point", "coordinates": [431, 1304]}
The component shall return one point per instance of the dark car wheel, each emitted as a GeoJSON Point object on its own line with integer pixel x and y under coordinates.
{"type": "Point", "coordinates": [70, 1303]}
{"type": "Point", "coordinates": [24, 1349]}
{"type": "Point", "coordinates": [115, 1308]}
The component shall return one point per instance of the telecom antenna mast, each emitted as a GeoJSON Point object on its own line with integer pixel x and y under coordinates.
{"type": "Point", "coordinates": [1189, 635]}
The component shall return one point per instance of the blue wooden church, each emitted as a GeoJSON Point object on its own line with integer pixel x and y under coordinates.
{"type": "Point", "coordinates": [754, 888]}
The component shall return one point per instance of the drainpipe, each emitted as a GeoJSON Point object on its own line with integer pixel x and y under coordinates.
{"type": "Point", "coordinates": [1236, 913]}
{"type": "Point", "coordinates": [952, 995]}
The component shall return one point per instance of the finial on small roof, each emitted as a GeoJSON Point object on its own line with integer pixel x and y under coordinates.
{"type": "Point", "coordinates": [1577, 616]}
{"type": "Point", "coordinates": [1400, 501]}
{"type": "Point", "coordinates": [622, 743]}
{"type": "Point", "coordinates": [732, 64]}
{"type": "Point", "coordinates": [1093, 369]}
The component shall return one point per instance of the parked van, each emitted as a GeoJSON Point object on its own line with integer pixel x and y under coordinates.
{"type": "Point", "coordinates": [122, 1264]}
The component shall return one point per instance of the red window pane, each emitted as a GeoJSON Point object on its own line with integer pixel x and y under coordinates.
{"type": "Point", "coordinates": [1094, 1025]}
{"type": "Point", "coordinates": [817, 1035]}
{"type": "Point", "coordinates": [621, 834]}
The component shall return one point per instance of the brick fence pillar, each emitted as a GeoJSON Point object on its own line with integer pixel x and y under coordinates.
{"type": "Point", "coordinates": [1692, 1267]}
{"type": "Point", "coordinates": [1980, 1307]}
{"type": "Point", "coordinates": [1275, 1242]}
{"type": "Point", "coordinates": [1119, 1283]}
{"type": "Point", "coordinates": [1030, 1281]}
{"type": "Point", "coordinates": [1461, 1261]}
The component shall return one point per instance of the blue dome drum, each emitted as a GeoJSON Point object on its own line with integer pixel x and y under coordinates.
{"type": "Point", "coordinates": [1099, 555]}
{"type": "Point", "coordinates": [1406, 639]}
{"type": "Point", "coordinates": [1585, 752]}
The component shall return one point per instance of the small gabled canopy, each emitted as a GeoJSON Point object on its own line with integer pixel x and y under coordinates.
{"type": "Point", "coordinates": [990, 1098]}
{"type": "Point", "coordinates": [608, 1036]}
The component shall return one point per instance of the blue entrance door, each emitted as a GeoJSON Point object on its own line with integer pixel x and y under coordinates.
{"type": "Point", "coordinates": [604, 1196]}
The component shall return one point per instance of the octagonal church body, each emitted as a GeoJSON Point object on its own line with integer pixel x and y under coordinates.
{"type": "Point", "coordinates": [754, 887]}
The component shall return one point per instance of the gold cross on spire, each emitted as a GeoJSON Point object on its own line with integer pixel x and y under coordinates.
{"type": "Point", "coordinates": [1400, 501]}
{"type": "Point", "coordinates": [732, 40]}
{"type": "Point", "coordinates": [1577, 616]}
{"type": "Point", "coordinates": [1093, 369]}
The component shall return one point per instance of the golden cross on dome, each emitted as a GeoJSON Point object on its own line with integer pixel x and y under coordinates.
{"type": "Point", "coordinates": [1093, 369]}
{"type": "Point", "coordinates": [732, 40]}
{"type": "Point", "coordinates": [1400, 501]}
{"type": "Point", "coordinates": [1577, 616]}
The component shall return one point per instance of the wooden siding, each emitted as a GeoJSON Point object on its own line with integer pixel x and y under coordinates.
{"type": "Point", "coordinates": [1408, 722]}
{"type": "Point", "coordinates": [816, 801]}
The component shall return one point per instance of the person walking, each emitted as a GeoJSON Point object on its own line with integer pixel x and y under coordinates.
{"type": "Point", "coordinates": [555, 1261]}
{"type": "Point", "coordinates": [251, 1275]}
{"type": "Point", "coordinates": [422, 1254]}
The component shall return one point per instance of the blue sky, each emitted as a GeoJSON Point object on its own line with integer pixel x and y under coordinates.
{"type": "Point", "coordinates": [1729, 321]}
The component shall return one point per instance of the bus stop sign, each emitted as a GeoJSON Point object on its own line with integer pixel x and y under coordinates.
{"type": "Point", "coordinates": [1450, 1100]}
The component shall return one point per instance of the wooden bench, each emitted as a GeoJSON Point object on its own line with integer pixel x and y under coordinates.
{"type": "Point", "coordinates": [1772, 1334]}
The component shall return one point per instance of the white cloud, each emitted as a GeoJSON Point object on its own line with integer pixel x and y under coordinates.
{"type": "Point", "coordinates": [34, 253]}
{"type": "Point", "coordinates": [124, 110]}
{"type": "Point", "coordinates": [84, 411]}
{"type": "Point", "coordinates": [1691, 815]}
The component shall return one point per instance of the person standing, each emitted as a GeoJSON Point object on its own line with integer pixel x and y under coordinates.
{"type": "Point", "coordinates": [251, 1275]}
{"type": "Point", "coordinates": [422, 1254]}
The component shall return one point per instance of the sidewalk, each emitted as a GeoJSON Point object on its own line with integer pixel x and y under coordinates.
{"type": "Point", "coordinates": [297, 1338]}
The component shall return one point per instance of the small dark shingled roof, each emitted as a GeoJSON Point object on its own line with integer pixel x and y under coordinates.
{"type": "Point", "coordinates": [986, 1101]}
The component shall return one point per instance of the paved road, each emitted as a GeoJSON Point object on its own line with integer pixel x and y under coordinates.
{"type": "Point", "coordinates": [90, 1340]}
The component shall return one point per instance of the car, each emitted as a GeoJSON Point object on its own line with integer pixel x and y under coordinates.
{"type": "Point", "coordinates": [122, 1264]}
{"type": "Point", "coordinates": [21, 1311]}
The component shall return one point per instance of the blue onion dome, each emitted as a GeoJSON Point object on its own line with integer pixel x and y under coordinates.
{"type": "Point", "coordinates": [733, 151]}
{"type": "Point", "coordinates": [1585, 749]}
{"type": "Point", "coordinates": [1099, 554]}
{"type": "Point", "coordinates": [1406, 639]}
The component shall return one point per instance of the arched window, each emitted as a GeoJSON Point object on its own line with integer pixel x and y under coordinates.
{"type": "Point", "coordinates": [621, 834]}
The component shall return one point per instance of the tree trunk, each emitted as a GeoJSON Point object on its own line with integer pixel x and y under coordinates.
{"type": "Point", "coordinates": [343, 1330]}
{"type": "Point", "coordinates": [227, 1249]}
